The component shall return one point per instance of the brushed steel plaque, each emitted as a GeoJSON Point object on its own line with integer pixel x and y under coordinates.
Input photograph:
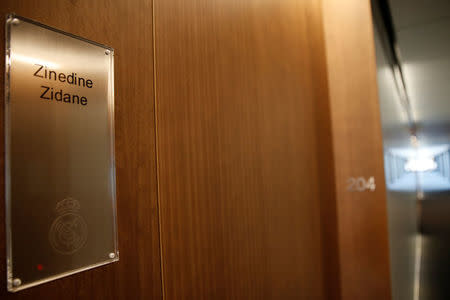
{"type": "Point", "coordinates": [59, 156]}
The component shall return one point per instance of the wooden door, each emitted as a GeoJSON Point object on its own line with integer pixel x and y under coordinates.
{"type": "Point", "coordinates": [127, 27]}
{"type": "Point", "coordinates": [236, 106]}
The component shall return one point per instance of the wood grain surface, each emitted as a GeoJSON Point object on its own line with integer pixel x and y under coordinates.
{"type": "Point", "coordinates": [127, 27]}
{"type": "Point", "coordinates": [232, 172]}
{"type": "Point", "coordinates": [325, 155]}
{"type": "Point", "coordinates": [358, 149]}
{"type": "Point", "coordinates": [237, 149]}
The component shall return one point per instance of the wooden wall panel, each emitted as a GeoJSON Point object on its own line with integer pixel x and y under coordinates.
{"type": "Point", "coordinates": [325, 156]}
{"type": "Point", "coordinates": [127, 27]}
{"type": "Point", "coordinates": [237, 148]}
{"type": "Point", "coordinates": [256, 138]}
{"type": "Point", "coordinates": [358, 151]}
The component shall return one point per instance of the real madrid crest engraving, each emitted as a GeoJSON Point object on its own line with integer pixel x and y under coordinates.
{"type": "Point", "coordinates": [69, 231]}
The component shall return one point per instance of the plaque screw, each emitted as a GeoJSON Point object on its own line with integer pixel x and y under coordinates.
{"type": "Point", "coordinates": [112, 255]}
{"type": "Point", "coordinates": [15, 21]}
{"type": "Point", "coordinates": [17, 282]}
{"type": "Point", "coordinates": [107, 52]}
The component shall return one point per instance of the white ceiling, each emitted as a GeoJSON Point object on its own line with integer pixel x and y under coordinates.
{"type": "Point", "coordinates": [423, 33]}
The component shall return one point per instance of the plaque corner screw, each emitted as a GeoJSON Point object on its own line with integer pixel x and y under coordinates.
{"type": "Point", "coordinates": [17, 282]}
{"type": "Point", "coordinates": [107, 52]}
{"type": "Point", "coordinates": [15, 21]}
{"type": "Point", "coordinates": [112, 255]}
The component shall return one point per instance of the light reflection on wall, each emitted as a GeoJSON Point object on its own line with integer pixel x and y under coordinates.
{"type": "Point", "coordinates": [429, 166]}
{"type": "Point", "coordinates": [420, 164]}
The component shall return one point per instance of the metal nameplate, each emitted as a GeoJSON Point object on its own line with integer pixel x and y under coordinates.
{"type": "Point", "coordinates": [59, 162]}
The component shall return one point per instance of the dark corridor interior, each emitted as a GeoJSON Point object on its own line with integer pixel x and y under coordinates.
{"type": "Point", "coordinates": [413, 62]}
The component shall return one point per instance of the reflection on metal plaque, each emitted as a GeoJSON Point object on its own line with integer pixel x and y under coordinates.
{"type": "Point", "coordinates": [60, 173]}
